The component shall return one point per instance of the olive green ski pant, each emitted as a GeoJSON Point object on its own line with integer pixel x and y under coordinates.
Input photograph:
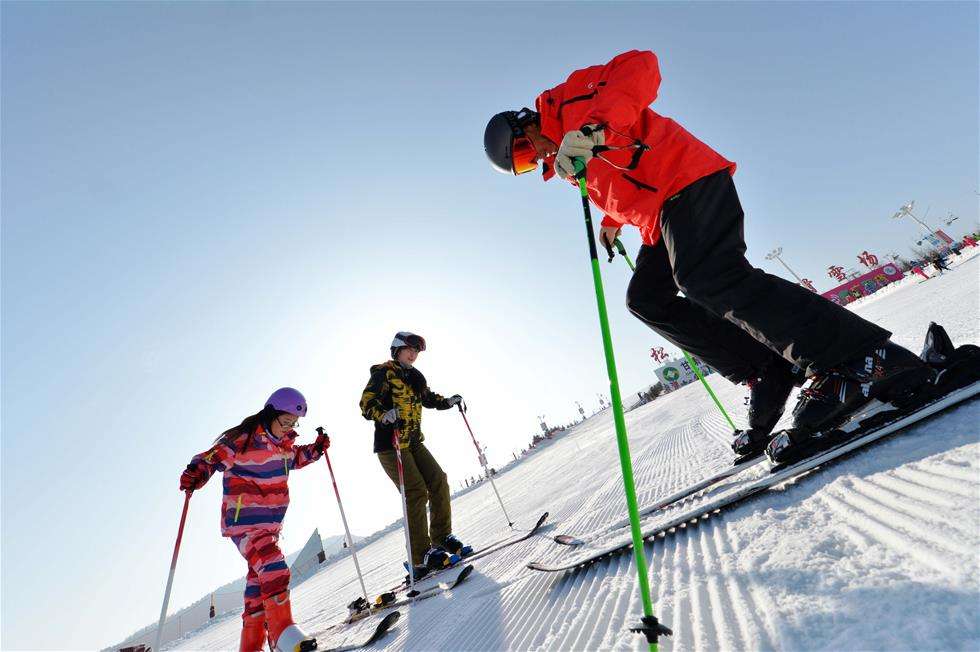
{"type": "Point", "coordinates": [425, 483]}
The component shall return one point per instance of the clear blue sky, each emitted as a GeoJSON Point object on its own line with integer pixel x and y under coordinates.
{"type": "Point", "coordinates": [205, 201]}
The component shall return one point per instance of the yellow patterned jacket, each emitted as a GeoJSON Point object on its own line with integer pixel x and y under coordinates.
{"type": "Point", "coordinates": [392, 385]}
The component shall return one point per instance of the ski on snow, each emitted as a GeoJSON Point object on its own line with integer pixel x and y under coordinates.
{"type": "Point", "coordinates": [587, 552]}
{"type": "Point", "coordinates": [442, 587]}
{"type": "Point", "coordinates": [380, 629]}
{"type": "Point", "coordinates": [571, 540]}
{"type": "Point", "coordinates": [476, 554]}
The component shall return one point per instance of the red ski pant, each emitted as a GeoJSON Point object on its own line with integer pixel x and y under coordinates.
{"type": "Point", "coordinates": [268, 574]}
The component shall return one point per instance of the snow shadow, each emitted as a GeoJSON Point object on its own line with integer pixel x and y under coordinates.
{"type": "Point", "coordinates": [471, 618]}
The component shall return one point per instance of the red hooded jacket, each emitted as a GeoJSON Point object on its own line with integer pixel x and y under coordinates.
{"type": "Point", "coordinates": [617, 95]}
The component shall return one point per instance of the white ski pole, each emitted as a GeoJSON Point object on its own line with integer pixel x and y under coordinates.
{"type": "Point", "coordinates": [343, 517]}
{"type": "Point", "coordinates": [483, 461]}
{"type": "Point", "coordinates": [173, 568]}
{"type": "Point", "coordinates": [401, 485]}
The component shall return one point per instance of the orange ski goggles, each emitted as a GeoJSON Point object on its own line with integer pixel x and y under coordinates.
{"type": "Point", "coordinates": [524, 158]}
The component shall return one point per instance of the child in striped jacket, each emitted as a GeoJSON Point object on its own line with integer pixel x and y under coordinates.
{"type": "Point", "coordinates": [256, 458]}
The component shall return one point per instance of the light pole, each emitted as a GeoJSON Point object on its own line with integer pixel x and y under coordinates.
{"type": "Point", "coordinates": [907, 210]}
{"type": "Point", "coordinates": [775, 255]}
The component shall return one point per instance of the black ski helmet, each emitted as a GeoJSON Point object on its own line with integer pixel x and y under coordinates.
{"type": "Point", "coordinates": [499, 141]}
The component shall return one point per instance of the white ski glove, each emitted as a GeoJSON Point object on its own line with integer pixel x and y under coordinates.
{"type": "Point", "coordinates": [577, 144]}
{"type": "Point", "coordinates": [389, 417]}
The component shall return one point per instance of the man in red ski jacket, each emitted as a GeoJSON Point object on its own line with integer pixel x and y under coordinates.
{"type": "Point", "coordinates": [646, 170]}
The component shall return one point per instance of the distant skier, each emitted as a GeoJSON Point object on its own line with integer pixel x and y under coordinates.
{"type": "Point", "coordinates": [918, 270]}
{"type": "Point", "coordinates": [940, 265]}
{"type": "Point", "coordinates": [393, 398]}
{"type": "Point", "coordinates": [646, 170]}
{"type": "Point", "coordinates": [256, 457]}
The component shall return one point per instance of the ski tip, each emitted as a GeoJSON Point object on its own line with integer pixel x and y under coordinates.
{"type": "Point", "coordinates": [567, 540]}
{"type": "Point", "coordinates": [390, 619]}
{"type": "Point", "coordinates": [463, 574]}
{"type": "Point", "coordinates": [538, 566]}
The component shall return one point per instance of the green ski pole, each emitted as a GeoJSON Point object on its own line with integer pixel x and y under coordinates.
{"type": "Point", "coordinates": [621, 248]}
{"type": "Point", "coordinates": [690, 360]}
{"type": "Point", "coordinates": [650, 626]}
{"type": "Point", "coordinates": [697, 371]}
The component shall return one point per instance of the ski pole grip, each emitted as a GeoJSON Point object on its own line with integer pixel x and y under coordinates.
{"type": "Point", "coordinates": [620, 247]}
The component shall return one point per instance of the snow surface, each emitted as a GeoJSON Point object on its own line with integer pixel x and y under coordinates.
{"type": "Point", "coordinates": [879, 551]}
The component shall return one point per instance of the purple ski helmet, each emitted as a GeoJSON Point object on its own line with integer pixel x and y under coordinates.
{"type": "Point", "coordinates": [287, 399]}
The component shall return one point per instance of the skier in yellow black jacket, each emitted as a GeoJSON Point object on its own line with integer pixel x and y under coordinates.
{"type": "Point", "coordinates": [393, 398]}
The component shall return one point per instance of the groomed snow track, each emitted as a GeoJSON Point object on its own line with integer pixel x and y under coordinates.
{"type": "Point", "coordinates": [879, 551]}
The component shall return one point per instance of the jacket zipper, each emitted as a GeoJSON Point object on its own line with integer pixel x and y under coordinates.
{"type": "Point", "coordinates": [238, 508]}
{"type": "Point", "coordinates": [640, 184]}
{"type": "Point", "coordinates": [577, 98]}
{"type": "Point", "coordinates": [580, 98]}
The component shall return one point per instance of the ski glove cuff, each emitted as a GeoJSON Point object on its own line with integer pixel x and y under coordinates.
{"type": "Point", "coordinates": [389, 417]}
{"type": "Point", "coordinates": [577, 144]}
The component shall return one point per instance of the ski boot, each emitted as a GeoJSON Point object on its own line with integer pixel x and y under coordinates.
{"type": "Point", "coordinates": [284, 634]}
{"type": "Point", "coordinates": [437, 558]}
{"type": "Point", "coordinates": [888, 373]}
{"type": "Point", "coordinates": [768, 392]}
{"type": "Point", "coordinates": [418, 571]}
{"type": "Point", "coordinates": [253, 632]}
{"type": "Point", "coordinates": [357, 607]}
{"type": "Point", "coordinates": [456, 547]}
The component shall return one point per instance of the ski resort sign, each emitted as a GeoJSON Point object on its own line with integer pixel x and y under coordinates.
{"type": "Point", "coordinates": [862, 286]}
{"type": "Point", "coordinates": [678, 373]}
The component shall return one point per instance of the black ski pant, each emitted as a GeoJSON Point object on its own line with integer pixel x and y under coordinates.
{"type": "Point", "coordinates": [737, 318]}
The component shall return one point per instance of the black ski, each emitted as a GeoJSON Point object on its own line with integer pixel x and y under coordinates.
{"type": "Point", "coordinates": [885, 422]}
{"type": "Point", "coordinates": [438, 589]}
{"type": "Point", "coordinates": [379, 631]}
{"type": "Point", "coordinates": [739, 466]}
{"type": "Point", "coordinates": [477, 554]}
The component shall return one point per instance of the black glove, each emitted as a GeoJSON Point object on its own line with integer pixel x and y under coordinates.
{"type": "Point", "coordinates": [454, 400]}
